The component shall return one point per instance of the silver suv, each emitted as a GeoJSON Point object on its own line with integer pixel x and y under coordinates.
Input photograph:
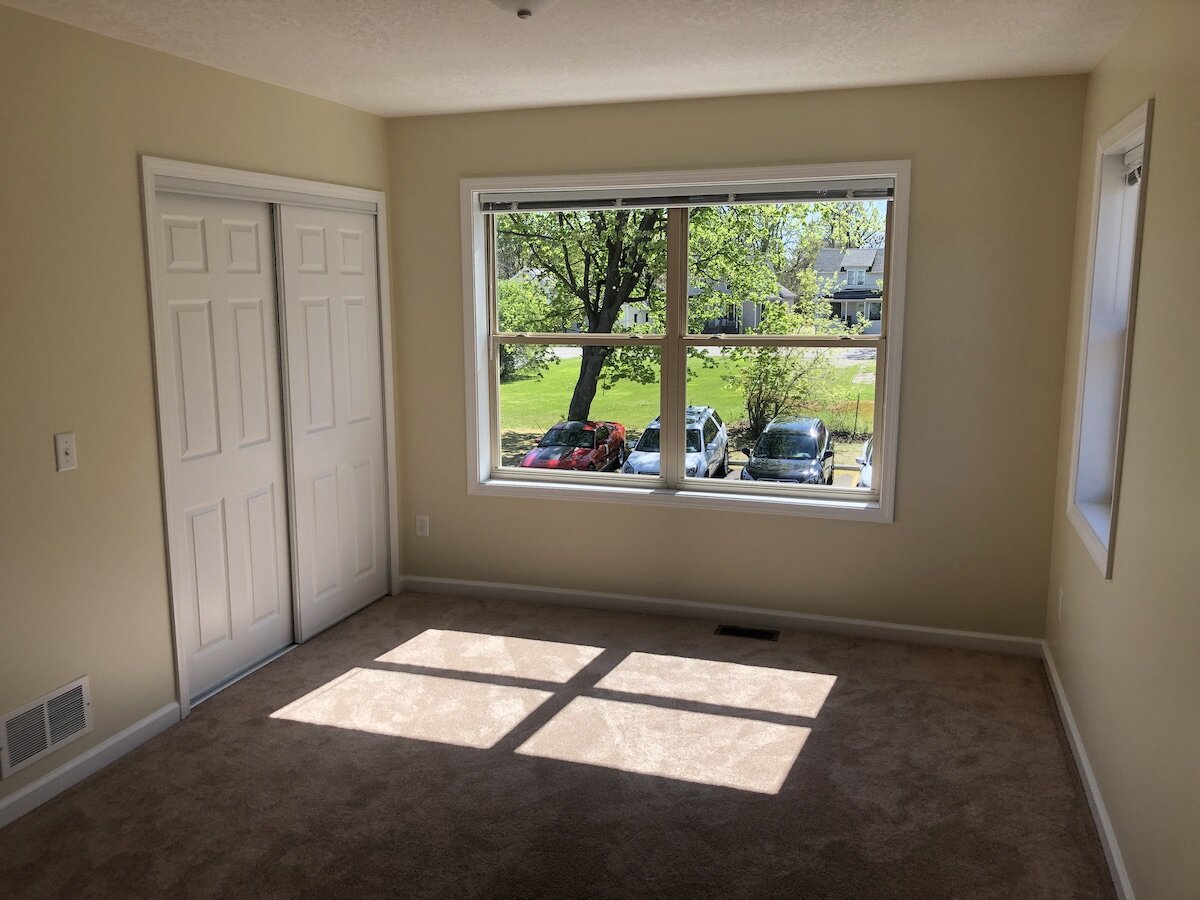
{"type": "Point", "coordinates": [707, 446]}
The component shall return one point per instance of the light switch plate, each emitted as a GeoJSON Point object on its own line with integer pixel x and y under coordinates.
{"type": "Point", "coordinates": [64, 451]}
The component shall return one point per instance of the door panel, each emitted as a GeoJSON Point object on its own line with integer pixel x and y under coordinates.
{"type": "Point", "coordinates": [365, 544]}
{"type": "Point", "coordinates": [253, 389]}
{"type": "Point", "coordinates": [222, 434]}
{"type": "Point", "coordinates": [263, 570]}
{"type": "Point", "coordinates": [317, 363]}
{"type": "Point", "coordinates": [325, 533]}
{"type": "Point", "coordinates": [200, 430]}
{"type": "Point", "coordinates": [206, 528]}
{"type": "Point", "coordinates": [335, 397]}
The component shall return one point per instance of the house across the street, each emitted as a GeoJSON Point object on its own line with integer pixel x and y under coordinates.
{"type": "Point", "coordinates": [853, 285]}
{"type": "Point", "coordinates": [856, 278]}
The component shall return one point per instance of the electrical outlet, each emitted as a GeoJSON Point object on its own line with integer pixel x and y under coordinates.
{"type": "Point", "coordinates": [64, 451]}
{"type": "Point", "coordinates": [1060, 603]}
{"type": "Point", "coordinates": [422, 525]}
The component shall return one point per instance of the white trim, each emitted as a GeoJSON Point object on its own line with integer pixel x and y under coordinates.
{"type": "Point", "coordinates": [1108, 837]}
{"type": "Point", "coordinates": [760, 191]}
{"type": "Point", "coordinates": [1091, 540]}
{"type": "Point", "coordinates": [87, 763]}
{"type": "Point", "coordinates": [216, 181]}
{"type": "Point", "coordinates": [604, 490]}
{"type": "Point", "coordinates": [1134, 129]}
{"type": "Point", "coordinates": [1014, 645]}
{"type": "Point", "coordinates": [392, 460]}
{"type": "Point", "coordinates": [690, 178]}
{"type": "Point", "coordinates": [477, 342]}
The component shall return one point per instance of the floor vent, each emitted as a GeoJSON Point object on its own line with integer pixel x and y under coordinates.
{"type": "Point", "coordinates": [758, 634]}
{"type": "Point", "coordinates": [36, 729]}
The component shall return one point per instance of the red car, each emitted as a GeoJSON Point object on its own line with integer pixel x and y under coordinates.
{"type": "Point", "coordinates": [579, 446]}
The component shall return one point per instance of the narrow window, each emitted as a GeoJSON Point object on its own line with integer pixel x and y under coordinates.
{"type": "Point", "coordinates": [1106, 354]}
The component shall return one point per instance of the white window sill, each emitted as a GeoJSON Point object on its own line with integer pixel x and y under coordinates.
{"type": "Point", "coordinates": [1097, 516]}
{"type": "Point", "coordinates": [1093, 523]}
{"type": "Point", "coordinates": [867, 509]}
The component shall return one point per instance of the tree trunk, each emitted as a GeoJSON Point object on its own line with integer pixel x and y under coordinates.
{"type": "Point", "coordinates": [585, 387]}
{"type": "Point", "coordinates": [625, 266]}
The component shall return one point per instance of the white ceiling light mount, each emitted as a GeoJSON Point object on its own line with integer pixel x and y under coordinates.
{"type": "Point", "coordinates": [523, 8]}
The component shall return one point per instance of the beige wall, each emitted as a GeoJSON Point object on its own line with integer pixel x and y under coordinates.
{"type": "Point", "coordinates": [1128, 650]}
{"type": "Point", "coordinates": [994, 174]}
{"type": "Point", "coordinates": [82, 566]}
{"type": "Point", "coordinates": [995, 169]}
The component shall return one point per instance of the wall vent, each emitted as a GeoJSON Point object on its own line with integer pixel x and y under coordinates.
{"type": "Point", "coordinates": [757, 634]}
{"type": "Point", "coordinates": [41, 727]}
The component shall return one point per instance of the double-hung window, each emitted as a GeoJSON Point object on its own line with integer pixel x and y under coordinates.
{"type": "Point", "coordinates": [666, 338]}
{"type": "Point", "coordinates": [1106, 355]}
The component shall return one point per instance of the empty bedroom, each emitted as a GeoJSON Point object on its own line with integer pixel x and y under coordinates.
{"type": "Point", "coordinates": [564, 449]}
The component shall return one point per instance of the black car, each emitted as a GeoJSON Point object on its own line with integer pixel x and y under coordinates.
{"type": "Point", "coordinates": [791, 449]}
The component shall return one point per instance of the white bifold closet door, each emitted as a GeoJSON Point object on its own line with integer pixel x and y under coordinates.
{"type": "Point", "coordinates": [222, 433]}
{"type": "Point", "coordinates": [335, 399]}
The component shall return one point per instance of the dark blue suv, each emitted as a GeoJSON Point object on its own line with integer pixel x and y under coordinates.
{"type": "Point", "coordinates": [791, 449]}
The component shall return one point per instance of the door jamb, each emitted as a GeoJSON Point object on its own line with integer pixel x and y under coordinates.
{"type": "Point", "coordinates": [216, 181]}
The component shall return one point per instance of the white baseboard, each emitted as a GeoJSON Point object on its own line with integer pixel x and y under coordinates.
{"type": "Point", "coordinates": [1108, 838]}
{"type": "Point", "coordinates": [745, 615]}
{"type": "Point", "coordinates": [75, 770]}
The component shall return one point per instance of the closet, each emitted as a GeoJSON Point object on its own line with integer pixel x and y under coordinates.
{"type": "Point", "coordinates": [269, 360]}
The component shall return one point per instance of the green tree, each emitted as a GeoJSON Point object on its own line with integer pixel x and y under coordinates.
{"type": "Point", "coordinates": [598, 261]}
{"type": "Point", "coordinates": [846, 225]}
{"type": "Point", "coordinates": [523, 305]}
{"type": "Point", "coordinates": [785, 380]}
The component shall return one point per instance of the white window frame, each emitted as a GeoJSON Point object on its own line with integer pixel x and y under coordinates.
{"type": "Point", "coordinates": [485, 479]}
{"type": "Point", "coordinates": [1096, 523]}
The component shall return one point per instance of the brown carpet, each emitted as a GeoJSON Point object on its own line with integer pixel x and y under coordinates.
{"type": "Point", "coordinates": [413, 751]}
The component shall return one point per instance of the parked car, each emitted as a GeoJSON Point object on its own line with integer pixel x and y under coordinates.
{"type": "Point", "coordinates": [707, 448]}
{"type": "Point", "coordinates": [866, 469]}
{"type": "Point", "coordinates": [791, 449]}
{"type": "Point", "coordinates": [579, 446]}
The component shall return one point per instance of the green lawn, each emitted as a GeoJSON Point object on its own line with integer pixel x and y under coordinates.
{"type": "Point", "coordinates": [533, 405]}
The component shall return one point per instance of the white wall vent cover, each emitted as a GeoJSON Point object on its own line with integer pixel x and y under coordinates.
{"type": "Point", "coordinates": [41, 727]}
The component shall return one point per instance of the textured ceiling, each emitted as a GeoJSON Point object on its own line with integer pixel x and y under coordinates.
{"type": "Point", "coordinates": [411, 57]}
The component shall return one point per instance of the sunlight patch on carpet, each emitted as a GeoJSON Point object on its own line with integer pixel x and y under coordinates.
{"type": "Point", "coordinates": [723, 683]}
{"type": "Point", "coordinates": [424, 707]}
{"type": "Point", "coordinates": [688, 746]}
{"type": "Point", "coordinates": [493, 654]}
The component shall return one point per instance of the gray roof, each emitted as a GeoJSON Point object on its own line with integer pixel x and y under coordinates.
{"type": "Point", "coordinates": [858, 258]}
{"type": "Point", "coordinates": [831, 259]}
